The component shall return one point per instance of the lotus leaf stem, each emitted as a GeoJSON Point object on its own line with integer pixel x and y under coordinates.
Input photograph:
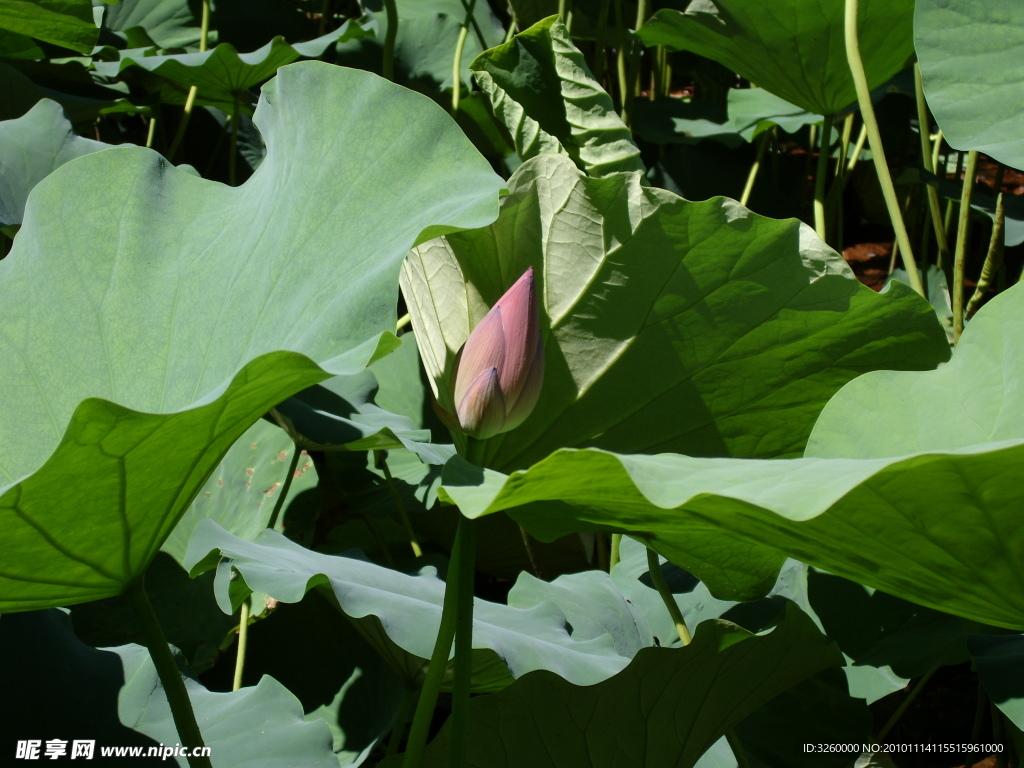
{"type": "Point", "coordinates": [602, 28]}
{"type": "Point", "coordinates": [962, 231]}
{"type": "Point", "coordinates": [824, 150]}
{"type": "Point", "coordinates": [993, 259]}
{"type": "Point", "coordinates": [388, 65]}
{"type": "Point", "coordinates": [616, 545]}
{"type": "Point", "coordinates": [460, 43]}
{"type": "Point", "coordinates": [877, 152]}
{"type": "Point", "coordinates": [905, 704]}
{"type": "Point", "coordinates": [285, 487]}
{"type": "Point", "coordinates": [463, 645]}
{"type": "Point", "coordinates": [658, 579]}
{"type": "Point", "coordinates": [190, 100]}
{"type": "Point", "coordinates": [765, 140]}
{"type": "Point", "coordinates": [170, 676]}
{"type": "Point", "coordinates": [381, 461]}
{"type": "Point", "coordinates": [927, 160]}
{"type": "Point", "coordinates": [243, 643]}
{"type": "Point", "coordinates": [421, 720]}
{"type": "Point", "coordinates": [151, 132]}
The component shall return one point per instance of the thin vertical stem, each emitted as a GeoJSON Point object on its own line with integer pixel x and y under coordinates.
{"type": "Point", "coordinates": [613, 557]}
{"type": "Point", "coordinates": [285, 487]}
{"type": "Point", "coordinates": [418, 732]}
{"type": "Point", "coordinates": [620, 63]}
{"type": "Point", "coordinates": [905, 704]}
{"type": "Point", "coordinates": [190, 100]}
{"type": "Point", "coordinates": [658, 579]}
{"type": "Point", "coordinates": [874, 136]}
{"type": "Point", "coordinates": [824, 150]}
{"type": "Point", "coordinates": [233, 157]}
{"type": "Point", "coordinates": [924, 129]}
{"type": "Point", "coordinates": [858, 147]}
{"type": "Point", "coordinates": [599, 52]}
{"type": "Point", "coordinates": [388, 67]}
{"type": "Point", "coordinates": [381, 461]}
{"type": "Point", "coordinates": [325, 12]}
{"type": "Point", "coordinates": [765, 139]}
{"type": "Point", "coordinates": [962, 231]}
{"type": "Point", "coordinates": [170, 676]}
{"type": "Point", "coordinates": [243, 643]}
{"type": "Point", "coordinates": [460, 43]}
{"type": "Point", "coordinates": [151, 133]}
{"type": "Point", "coordinates": [463, 646]}
{"type": "Point", "coordinates": [993, 259]}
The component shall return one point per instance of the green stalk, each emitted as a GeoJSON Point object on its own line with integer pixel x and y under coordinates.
{"type": "Point", "coordinates": [420, 728]}
{"type": "Point", "coordinates": [926, 159]}
{"type": "Point", "coordinates": [243, 643]}
{"type": "Point", "coordinates": [602, 27]}
{"type": "Point", "coordinates": [613, 557]}
{"type": "Point", "coordinates": [388, 67]}
{"type": "Point", "coordinates": [460, 43]}
{"type": "Point", "coordinates": [819, 178]}
{"type": "Point", "coordinates": [905, 704]}
{"type": "Point", "coordinates": [620, 64]}
{"type": "Point", "coordinates": [844, 145]}
{"type": "Point", "coordinates": [562, 9]}
{"type": "Point", "coordinates": [285, 487]}
{"type": "Point", "coordinates": [151, 133]}
{"type": "Point", "coordinates": [167, 669]}
{"type": "Point", "coordinates": [858, 147]}
{"type": "Point", "coordinates": [658, 579]}
{"type": "Point", "coordinates": [993, 259]}
{"type": "Point", "coordinates": [381, 460]}
{"type": "Point", "coordinates": [766, 138]}
{"type": "Point", "coordinates": [463, 645]}
{"type": "Point", "coordinates": [325, 12]}
{"type": "Point", "coordinates": [878, 154]}
{"type": "Point", "coordinates": [233, 157]}
{"type": "Point", "coordinates": [962, 230]}
{"type": "Point", "coordinates": [190, 100]}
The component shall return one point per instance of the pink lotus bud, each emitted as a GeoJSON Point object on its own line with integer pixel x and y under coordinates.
{"type": "Point", "coordinates": [502, 365]}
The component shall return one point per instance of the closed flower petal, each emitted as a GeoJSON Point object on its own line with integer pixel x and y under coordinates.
{"type": "Point", "coordinates": [482, 409]}
{"type": "Point", "coordinates": [485, 348]}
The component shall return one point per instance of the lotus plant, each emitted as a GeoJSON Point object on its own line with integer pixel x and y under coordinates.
{"type": "Point", "coordinates": [501, 366]}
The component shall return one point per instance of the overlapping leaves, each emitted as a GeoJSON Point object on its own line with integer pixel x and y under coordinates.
{"type": "Point", "coordinates": [669, 325]}
{"type": "Point", "coordinates": [188, 309]}
{"type": "Point", "coordinates": [927, 509]}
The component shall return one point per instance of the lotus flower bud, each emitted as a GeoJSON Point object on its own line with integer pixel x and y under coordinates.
{"type": "Point", "coordinates": [502, 365]}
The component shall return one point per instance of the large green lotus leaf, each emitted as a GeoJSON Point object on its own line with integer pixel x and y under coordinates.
{"type": "Point", "coordinates": [925, 508]}
{"type": "Point", "coordinates": [31, 147]}
{"type": "Point", "coordinates": [540, 86]}
{"type": "Point", "coordinates": [793, 48]}
{"type": "Point", "coordinates": [407, 605]}
{"type": "Point", "coordinates": [62, 22]}
{"type": "Point", "coordinates": [188, 309]}
{"type": "Point", "coordinates": [60, 681]}
{"type": "Point", "coordinates": [669, 705]}
{"type": "Point", "coordinates": [242, 491]}
{"type": "Point", "coordinates": [223, 75]}
{"type": "Point", "coordinates": [970, 64]}
{"type": "Point", "coordinates": [669, 325]}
